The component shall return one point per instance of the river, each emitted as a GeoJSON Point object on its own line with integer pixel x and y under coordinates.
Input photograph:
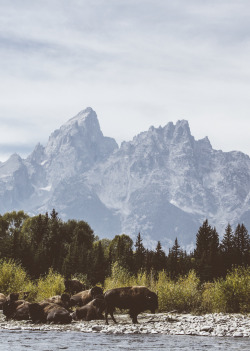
{"type": "Point", "coordinates": [23, 340]}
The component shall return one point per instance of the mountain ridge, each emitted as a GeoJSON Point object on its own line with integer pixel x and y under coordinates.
{"type": "Point", "coordinates": [163, 183]}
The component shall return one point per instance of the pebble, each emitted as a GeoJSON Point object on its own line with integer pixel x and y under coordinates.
{"type": "Point", "coordinates": [217, 324]}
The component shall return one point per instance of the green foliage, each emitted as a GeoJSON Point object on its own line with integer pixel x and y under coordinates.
{"type": "Point", "coordinates": [229, 295]}
{"type": "Point", "coordinates": [120, 277]}
{"type": "Point", "coordinates": [181, 295]}
{"type": "Point", "coordinates": [50, 285]}
{"type": "Point", "coordinates": [13, 278]}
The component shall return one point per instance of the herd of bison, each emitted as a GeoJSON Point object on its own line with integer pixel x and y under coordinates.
{"type": "Point", "coordinates": [78, 304]}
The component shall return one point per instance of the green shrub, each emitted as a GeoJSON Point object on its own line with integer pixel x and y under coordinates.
{"type": "Point", "coordinates": [229, 295]}
{"type": "Point", "coordinates": [120, 277]}
{"type": "Point", "coordinates": [182, 295]}
{"type": "Point", "coordinates": [13, 278]}
{"type": "Point", "coordinates": [50, 285]}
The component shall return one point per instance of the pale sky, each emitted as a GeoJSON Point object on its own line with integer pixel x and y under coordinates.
{"type": "Point", "coordinates": [137, 63]}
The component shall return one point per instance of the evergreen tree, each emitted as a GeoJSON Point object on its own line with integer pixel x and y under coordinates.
{"type": "Point", "coordinates": [175, 260]}
{"type": "Point", "coordinates": [99, 264]}
{"type": "Point", "coordinates": [241, 241]}
{"type": "Point", "coordinates": [139, 255]}
{"type": "Point", "coordinates": [227, 249]}
{"type": "Point", "coordinates": [159, 258]}
{"type": "Point", "coordinates": [207, 252]}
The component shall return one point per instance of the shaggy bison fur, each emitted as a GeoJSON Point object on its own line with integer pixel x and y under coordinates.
{"type": "Point", "coordinates": [84, 297]}
{"type": "Point", "coordinates": [46, 312]}
{"type": "Point", "coordinates": [93, 310]}
{"type": "Point", "coordinates": [136, 299]}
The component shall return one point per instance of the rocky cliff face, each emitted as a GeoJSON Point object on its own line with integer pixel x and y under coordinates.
{"type": "Point", "coordinates": [163, 183]}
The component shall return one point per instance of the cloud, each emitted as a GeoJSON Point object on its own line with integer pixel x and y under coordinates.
{"type": "Point", "coordinates": [137, 63]}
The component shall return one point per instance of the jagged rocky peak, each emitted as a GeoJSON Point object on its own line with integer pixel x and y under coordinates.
{"type": "Point", "coordinates": [80, 133]}
{"type": "Point", "coordinates": [162, 135]}
{"type": "Point", "coordinates": [11, 165]}
{"type": "Point", "coordinates": [86, 118]}
{"type": "Point", "coordinates": [37, 155]}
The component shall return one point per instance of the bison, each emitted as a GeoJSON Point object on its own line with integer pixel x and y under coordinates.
{"type": "Point", "coordinates": [15, 309]}
{"type": "Point", "coordinates": [61, 300]}
{"type": "Point", "coordinates": [93, 310]}
{"type": "Point", "coordinates": [84, 297]}
{"type": "Point", "coordinates": [136, 299]}
{"type": "Point", "coordinates": [2, 300]}
{"type": "Point", "coordinates": [46, 312]}
{"type": "Point", "coordinates": [73, 286]}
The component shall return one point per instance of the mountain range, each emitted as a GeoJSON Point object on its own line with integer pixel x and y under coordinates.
{"type": "Point", "coordinates": [163, 183]}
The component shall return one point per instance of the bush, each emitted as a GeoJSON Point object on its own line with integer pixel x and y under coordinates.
{"type": "Point", "coordinates": [230, 295]}
{"type": "Point", "coordinates": [120, 277]}
{"type": "Point", "coordinates": [50, 285]}
{"type": "Point", "coordinates": [182, 295]}
{"type": "Point", "coordinates": [13, 278]}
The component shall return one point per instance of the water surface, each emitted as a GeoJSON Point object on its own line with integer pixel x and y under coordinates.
{"type": "Point", "coordinates": [20, 340]}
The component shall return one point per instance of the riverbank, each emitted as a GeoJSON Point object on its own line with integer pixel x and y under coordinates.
{"type": "Point", "coordinates": [216, 324]}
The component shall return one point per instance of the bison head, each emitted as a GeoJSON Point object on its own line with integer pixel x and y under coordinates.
{"type": "Point", "coordinates": [152, 302]}
{"type": "Point", "coordinates": [65, 300]}
{"type": "Point", "coordinates": [96, 290]}
{"type": "Point", "coordinates": [9, 306]}
{"type": "Point", "coordinates": [36, 313]}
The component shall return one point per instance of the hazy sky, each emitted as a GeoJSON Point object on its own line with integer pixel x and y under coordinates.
{"type": "Point", "coordinates": [137, 63]}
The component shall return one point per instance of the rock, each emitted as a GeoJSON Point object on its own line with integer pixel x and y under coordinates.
{"type": "Point", "coordinates": [97, 328]}
{"type": "Point", "coordinates": [206, 328]}
{"type": "Point", "coordinates": [238, 335]}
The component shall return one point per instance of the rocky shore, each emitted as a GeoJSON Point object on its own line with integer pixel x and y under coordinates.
{"type": "Point", "coordinates": [217, 324]}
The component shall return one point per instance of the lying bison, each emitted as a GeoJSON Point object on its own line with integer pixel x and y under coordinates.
{"type": "Point", "coordinates": [84, 297]}
{"type": "Point", "coordinates": [136, 299]}
{"type": "Point", "coordinates": [15, 309]}
{"type": "Point", "coordinates": [2, 300]}
{"type": "Point", "coordinates": [73, 286]}
{"type": "Point", "coordinates": [93, 310]}
{"type": "Point", "coordinates": [61, 300]}
{"type": "Point", "coordinates": [46, 312]}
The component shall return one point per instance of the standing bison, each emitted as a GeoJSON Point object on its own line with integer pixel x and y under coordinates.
{"type": "Point", "coordinates": [136, 299]}
{"type": "Point", "coordinates": [84, 297]}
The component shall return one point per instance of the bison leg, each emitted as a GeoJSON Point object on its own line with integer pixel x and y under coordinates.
{"type": "Point", "coordinates": [133, 315]}
{"type": "Point", "coordinates": [111, 312]}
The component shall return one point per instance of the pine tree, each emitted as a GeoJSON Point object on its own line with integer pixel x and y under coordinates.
{"type": "Point", "coordinates": [159, 258]}
{"type": "Point", "coordinates": [227, 249]}
{"type": "Point", "coordinates": [207, 252]}
{"type": "Point", "coordinates": [175, 259]}
{"type": "Point", "coordinates": [241, 241]}
{"type": "Point", "coordinates": [139, 255]}
{"type": "Point", "coordinates": [99, 264]}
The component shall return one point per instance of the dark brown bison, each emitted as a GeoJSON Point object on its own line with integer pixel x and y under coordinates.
{"type": "Point", "coordinates": [136, 299]}
{"type": "Point", "coordinates": [73, 286]}
{"type": "Point", "coordinates": [93, 310]}
{"type": "Point", "coordinates": [15, 309]}
{"type": "Point", "coordinates": [84, 297]}
{"type": "Point", "coordinates": [61, 300]}
{"type": "Point", "coordinates": [46, 312]}
{"type": "Point", "coordinates": [2, 300]}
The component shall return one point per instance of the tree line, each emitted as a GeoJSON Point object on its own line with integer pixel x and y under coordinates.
{"type": "Point", "coordinates": [70, 248]}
